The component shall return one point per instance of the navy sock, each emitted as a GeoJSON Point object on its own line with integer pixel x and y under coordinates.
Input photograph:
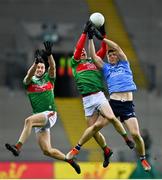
{"type": "Point", "coordinates": [78, 147]}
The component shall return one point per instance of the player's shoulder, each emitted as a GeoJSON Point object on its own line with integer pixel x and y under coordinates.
{"type": "Point", "coordinates": [47, 77]}
{"type": "Point", "coordinates": [123, 61]}
{"type": "Point", "coordinates": [106, 65]}
{"type": "Point", "coordinates": [74, 60]}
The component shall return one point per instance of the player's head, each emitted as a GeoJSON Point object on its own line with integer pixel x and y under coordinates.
{"type": "Point", "coordinates": [83, 54]}
{"type": "Point", "coordinates": [112, 56]}
{"type": "Point", "coordinates": [41, 68]}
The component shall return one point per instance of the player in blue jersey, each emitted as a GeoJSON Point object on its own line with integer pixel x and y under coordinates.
{"type": "Point", "coordinates": [119, 80]}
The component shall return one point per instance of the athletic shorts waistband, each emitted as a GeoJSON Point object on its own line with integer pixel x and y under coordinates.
{"type": "Point", "coordinates": [114, 100]}
{"type": "Point", "coordinates": [88, 94]}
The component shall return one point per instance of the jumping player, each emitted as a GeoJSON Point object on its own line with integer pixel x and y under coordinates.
{"type": "Point", "coordinates": [119, 80]}
{"type": "Point", "coordinates": [39, 85]}
{"type": "Point", "coordinates": [97, 109]}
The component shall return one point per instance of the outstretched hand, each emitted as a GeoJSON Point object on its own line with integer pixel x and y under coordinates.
{"type": "Point", "coordinates": [48, 47]}
{"type": "Point", "coordinates": [37, 56]}
{"type": "Point", "coordinates": [98, 34]}
{"type": "Point", "coordinates": [91, 32]}
{"type": "Point", "coordinates": [87, 26]}
{"type": "Point", "coordinates": [102, 30]}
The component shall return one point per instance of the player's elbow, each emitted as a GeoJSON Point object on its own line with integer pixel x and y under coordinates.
{"type": "Point", "coordinates": [28, 122]}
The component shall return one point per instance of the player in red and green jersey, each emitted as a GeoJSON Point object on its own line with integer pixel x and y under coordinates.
{"type": "Point", "coordinates": [97, 109]}
{"type": "Point", "coordinates": [44, 86]}
{"type": "Point", "coordinates": [39, 85]}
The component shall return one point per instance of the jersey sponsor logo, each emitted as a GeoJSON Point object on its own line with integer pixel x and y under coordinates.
{"type": "Point", "coordinates": [85, 67]}
{"type": "Point", "coordinates": [117, 72]}
{"type": "Point", "coordinates": [40, 88]}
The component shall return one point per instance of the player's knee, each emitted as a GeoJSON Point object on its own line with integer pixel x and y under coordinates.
{"type": "Point", "coordinates": [97, 127]}
{"type": "Point", "coordinates": [136, 135]}
{"type": "Point", "coordinates": [28, 121]}
{"type": "Point", "coordinates": [46, 152]}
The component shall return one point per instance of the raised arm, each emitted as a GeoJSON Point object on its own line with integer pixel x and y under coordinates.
{"type": "Point", "coordinates": [52, 66]}
{"type": "Point", "coordinates": [98, 61]}
{"type": "Point", "coordinates": [115, 46]}
{"type": "Point", "coordinates": [81, 42]}
{"type": "Point", "coordinates": [32, 69]}
{"type": "Point", "coordinates": [102, 51]}
{"type": "Point", "coordinates": [94, 56]}
{"type": "Point", "coordinates": [111, 44]}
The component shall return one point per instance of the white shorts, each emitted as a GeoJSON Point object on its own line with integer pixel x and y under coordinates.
{"type": "Point", "coordinates": [50, 118]}
{"type": "Point", "coordinates": [93, 103]}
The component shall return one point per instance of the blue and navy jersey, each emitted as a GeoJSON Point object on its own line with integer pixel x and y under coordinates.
{"type": "Point", "coordinates": [119, 77]}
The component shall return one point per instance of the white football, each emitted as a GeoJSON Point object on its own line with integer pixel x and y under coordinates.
{"type": "Point", "coordinates": [97, 19]}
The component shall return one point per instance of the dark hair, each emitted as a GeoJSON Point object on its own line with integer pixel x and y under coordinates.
{"type": "Point", "coordinates": [41, 60]}
{"type": "Point", "coordinates": [111, 50]}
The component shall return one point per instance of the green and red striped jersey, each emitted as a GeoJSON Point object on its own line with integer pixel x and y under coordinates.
{"type": "Point", "coordinates": [41, 93]}
{"type": "Point", "coordinates": [87, 76]}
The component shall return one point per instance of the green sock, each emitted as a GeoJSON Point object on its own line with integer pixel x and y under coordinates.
{"type": "Point", "coordinates": [125, 136]}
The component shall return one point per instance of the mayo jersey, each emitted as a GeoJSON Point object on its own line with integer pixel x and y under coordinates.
{"type": "Point", "coordinates": [41, 93]}
{"type": "Point", "coordinates": [118, 77]}
{"type": "Point", "coordinates": [88, 78]}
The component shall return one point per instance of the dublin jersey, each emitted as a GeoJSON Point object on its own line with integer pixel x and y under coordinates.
{"type": "Point", "coordinates": [119, 77]}
{"type": "Point", "coordinates": [88, 78]}
{"type": "Point", "coordinates": [40, 93]}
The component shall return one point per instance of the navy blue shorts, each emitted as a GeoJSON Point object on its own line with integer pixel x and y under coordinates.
{"type": "Point", "coordinates": [122, 109]}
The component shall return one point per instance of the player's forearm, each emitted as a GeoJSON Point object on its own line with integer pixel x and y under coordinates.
{"type": "Point", "coordinates": [102, 51]}
{"type": "Point", "coordinates": [32, 70]}
{"type": "Point", "coordinates": [92, 49]}
{"type": "Point", "coordinates": [111, 44]}
{"type": "Point", "coordinates": [51, 62]}
{"type": "Point", "coordinates": [95, 57]}
{"type": "Point", "coordinates": [30, 73]}
{"type": "Point", "coordinates": [115, 46]}
{"type": "Point", "coordinates": [52, 66]}
{"type": "Point", "coordinates": [79, 46]}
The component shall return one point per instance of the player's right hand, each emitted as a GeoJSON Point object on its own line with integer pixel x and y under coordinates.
{"type": "Point", "coordinates": [37, 56]}
{"type": "Point", "coordinates": [91, 32]}
{"type": "Point", "coordinates": [87, 26]}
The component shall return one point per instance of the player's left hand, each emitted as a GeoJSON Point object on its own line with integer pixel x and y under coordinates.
{"type": "Point", "coordinates": [98, 34]}
{"type": "Point", "coordinates": [48, 47]}
{"type": "Point", "coordinates": [102, 30]}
